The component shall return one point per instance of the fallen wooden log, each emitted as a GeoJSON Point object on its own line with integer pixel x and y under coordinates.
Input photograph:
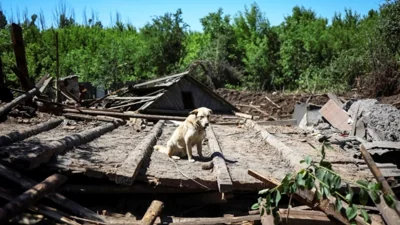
{"type": "Point", "coordinates": [152, 213]}
{"type": "Point", "coordinates": [224, 179]}
{"type": "Point", "coordinates": [54, 214]}
{"type": "Point", "coordinates": [124, 115]}
{"type": "Point", "coordinates": [300, 217]}
{"type": "Point", "coordinates": [43, 154]}
{"type": "Point", "coordinates": [87, 117]}
{"type": "Point", "coordinates": [307, 197]}
{"type": "Point", "coordinates": [391, 216]}
{"type": "Point", "coordinates": [30, 197]}
{"type": "Point", "coordinates": [7, 107]}
{"type": "Point", "coordinates": [128, 171]}
{"type": "Point", "coordinates": [31, 131]}
{"type": "Point", "coordinates": [259, 110]}
{"type": "Point", "coordinates": [59, 199]}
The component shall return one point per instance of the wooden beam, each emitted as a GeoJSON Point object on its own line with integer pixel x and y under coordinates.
{"type": "Point", "coordinates": [121, 189]}
{"type": "Point", "coordinates": [304, 217]}
{"type": "Point", "coordinates": [382, 144]}
{"type": "Point", "coordinates": [243, 115]}
{"type": "Point", "coordinates": [43, 154]}
{"type": "Point", "coordinates": [59, 199]}
{"type": "Point", "coordinates": [19, 51]}
{"type": "Point", "coordinates": [224, 179]}
{"type": "Point", "coordinates": [128, 104]}
{"type": "Point", "coordinates": [95, 118]}
{"type": "Point", "coordinates": [30, 197]}
{"type": "Point", "coordinates": [126, 174]}
{"type": "Point", "coordinates": [213, 220]}
{"type": "Point", "coordinates": [391, 216]}
{"type": "Point", "coordinates": [20, 135]}
{"type": "Point", "coordinates": [152, 213]}
{"type": "Point", "coordinates": [124, 115]}
{"type": "Point", "coordinates": [7, 107]}
{"type": "Point", "coordinates": [307, 197]}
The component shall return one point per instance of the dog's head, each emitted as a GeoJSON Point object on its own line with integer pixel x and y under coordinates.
{"type": "Point", "coordinates": [202, 116]}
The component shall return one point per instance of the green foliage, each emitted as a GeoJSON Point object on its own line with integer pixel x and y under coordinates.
{"type": "Point", "coordinates": [321, 177]}
{"type": "Point", "coordinates": [242, 51]}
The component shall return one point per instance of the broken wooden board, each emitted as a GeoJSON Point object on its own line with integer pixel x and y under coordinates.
{"type": "Point", "coordinates": [224, 179]}
{"type": "Point", "coordinates": [335, 99]}
{"type": "Point", "coordinates": [127, 173]}
{"type": "Point", "coordinates": [336, 116]}
{"type": "Point", "coordinates": [382, 144]}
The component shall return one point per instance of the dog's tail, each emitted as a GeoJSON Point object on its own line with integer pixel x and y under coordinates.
{"type": "Point", "coordinates": [161, 148]}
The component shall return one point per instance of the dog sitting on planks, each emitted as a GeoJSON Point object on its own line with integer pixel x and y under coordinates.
{"type": "Point", "coordinates": [189, 133]}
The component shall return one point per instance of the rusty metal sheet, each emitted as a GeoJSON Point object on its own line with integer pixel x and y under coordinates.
{"type": "Point", "coordinates": [336, 116]}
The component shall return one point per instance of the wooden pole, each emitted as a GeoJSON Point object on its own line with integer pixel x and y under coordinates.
{"type": "Point", "coordinates": [124, 115]}
{"type": "Point", "coordinates": [30, 197]}
{"type": "Point", "coordinates": [224, 179]}
{"type": "Point", "coordinates": [87, 117]}
{"type": "Point", "coordinates": [7, 107]}
{"type": "Point", "coordinates": [2, 76]}
{"type": "Point", "coordinates": [54, 214]}
{"type": "Point", "coordinates": [129, 169]}
{"type": "Point", "coordinates": [19, 51]}
{"type": "Point", "coordinates": [58, 96]}
{"type": "Point", "coordinates": [59, 199]}
{"type": "Point", "coordinates": [391, 216]}
{"type": "Point", "coordinates": [302, 217]}
{"type": "Point", "coordinates": [152, 213]}
{"type": "Point", "coordinates": [31, 131]}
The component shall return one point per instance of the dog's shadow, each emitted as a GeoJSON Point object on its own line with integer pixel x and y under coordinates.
{"type": "Point", "coordinates": [210, 158]}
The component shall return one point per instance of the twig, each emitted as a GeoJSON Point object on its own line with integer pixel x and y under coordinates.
{"type": "Point", "coordinates": [272, 102]}
{"type": "Point", "coordinates": [176, 165]}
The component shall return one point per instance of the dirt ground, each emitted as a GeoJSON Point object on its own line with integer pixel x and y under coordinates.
{"type": "Point", "coordinates": [286, 101]}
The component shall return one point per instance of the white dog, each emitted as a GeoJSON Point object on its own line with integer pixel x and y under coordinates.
{"type": "Point", "coordinates": [189, 133]}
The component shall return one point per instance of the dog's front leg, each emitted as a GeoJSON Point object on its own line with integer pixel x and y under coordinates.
{"type": "Point", "coordinates": [199, 147]}
{"type": "Point", "coordinates": [188, 144]}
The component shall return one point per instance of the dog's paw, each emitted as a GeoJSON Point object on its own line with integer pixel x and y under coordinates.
{"type": "Point", "coordinates": [175, 157]}
{"type": "Point", "coordinates": [191, 160]}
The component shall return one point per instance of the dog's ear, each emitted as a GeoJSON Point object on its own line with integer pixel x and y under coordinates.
{"type": "Point", "coordinates": [194, 112]}
{"type": "Point", "coordinates": [210, 111]}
